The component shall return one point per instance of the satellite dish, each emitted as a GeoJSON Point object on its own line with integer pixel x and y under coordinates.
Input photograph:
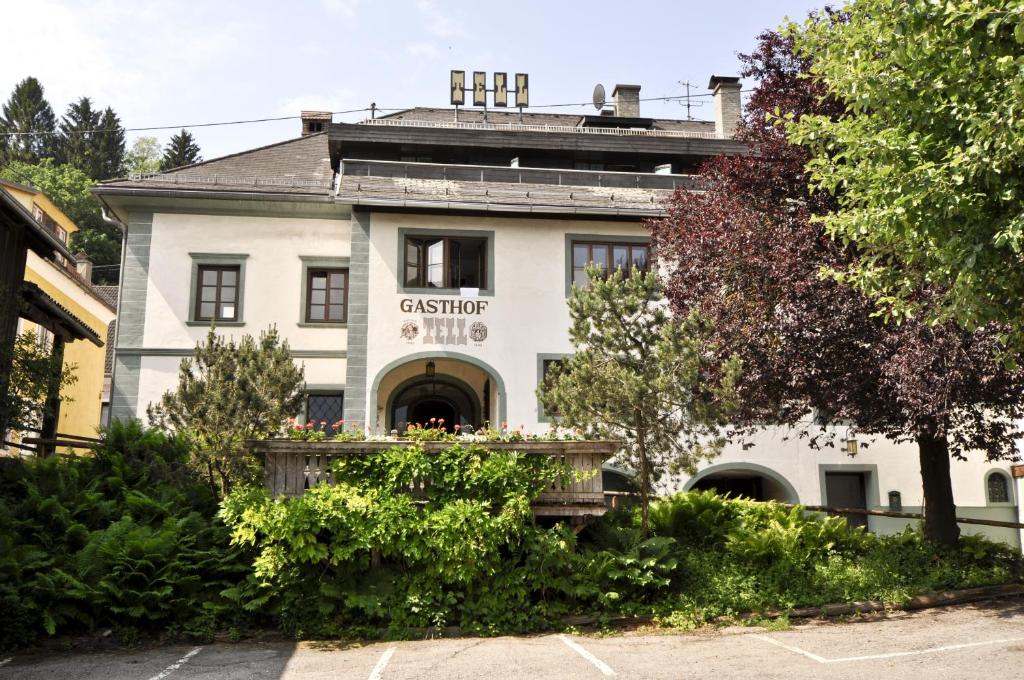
{"type": "Point", "coordinates": [599, 96]}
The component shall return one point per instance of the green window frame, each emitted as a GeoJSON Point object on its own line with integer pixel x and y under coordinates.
{"type": "Point", "coordinates": [609, 256]}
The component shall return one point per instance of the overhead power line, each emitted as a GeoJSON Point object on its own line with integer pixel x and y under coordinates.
{"type": "Point", "coordinates": [154, 128]}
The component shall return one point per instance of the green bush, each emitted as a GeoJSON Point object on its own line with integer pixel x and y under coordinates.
{"type": "Point", "coordinates": [124, 539]}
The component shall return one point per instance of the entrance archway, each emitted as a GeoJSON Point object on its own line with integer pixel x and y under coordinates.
{"type": "Point", "coordinates": [744, 480]}
{"type": "Point", "coordinates": [421, 399]}
{"type": "Point", "coordinates": [435, 385]}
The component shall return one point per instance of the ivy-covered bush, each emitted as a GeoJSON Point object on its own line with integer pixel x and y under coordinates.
{"type": "Point", "coordinates": [403, 538]}
{"type": "Point", "coordinates": [124, 539]}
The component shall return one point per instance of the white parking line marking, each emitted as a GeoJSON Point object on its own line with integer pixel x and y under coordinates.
{"type": "Point", "coordinates": [601, 665]}
{"type": "Point", "coordinates": [795, 650]}
{"type": "Point", "coordinates": [378, 670]}
{"type": "Point", "coordinates": [889, 655]}
{"type": "Point", "coordinates": [176, 665]}
{"type": "Point", "coordinates": [931, 650]}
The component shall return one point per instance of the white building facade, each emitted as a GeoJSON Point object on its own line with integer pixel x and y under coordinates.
{"type": "Point", "coordinates": [419, 265]}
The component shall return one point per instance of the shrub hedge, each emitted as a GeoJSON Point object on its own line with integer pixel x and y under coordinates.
{"type": "Point", "coordinates": [129, 539]}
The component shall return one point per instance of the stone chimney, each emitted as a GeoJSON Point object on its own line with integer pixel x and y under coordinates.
{"type": "Point", "coordinates": [627, 101]}
{"type": "Point", "coordinates": [315, 121]}
{"type": "Point", "coordinates": [727, 104]}
{"type": "Point", "coordinates": [83, 265]}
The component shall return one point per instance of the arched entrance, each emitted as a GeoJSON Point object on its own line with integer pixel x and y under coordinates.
{"type": "Point", "coordinates": [419, 400]}
{"type": "Point", "coordinates": [459, 388]}
{"type": "Point", "coordinates": [744, 480]}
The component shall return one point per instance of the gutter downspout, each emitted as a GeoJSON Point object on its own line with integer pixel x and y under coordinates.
{"type": "Point", "coordinates": [106, 213]}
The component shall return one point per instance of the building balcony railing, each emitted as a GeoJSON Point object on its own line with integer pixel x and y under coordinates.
{"type": "Point", "coordinates": [291, 467]}
{"type": "Point", "coordinates": [527, 127]}
{"type": "Point", "coordinates": [354, 167]}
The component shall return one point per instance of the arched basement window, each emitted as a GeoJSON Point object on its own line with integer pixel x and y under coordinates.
{"type": "Point", "coordinates": [998, 488]}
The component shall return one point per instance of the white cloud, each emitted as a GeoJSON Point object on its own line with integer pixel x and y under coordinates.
{"type": "Point", "coordinates": [439, 24]}
{"type": "Point", "coordinates": [345, 8]}
{"type": "Point", "coordinates": [422, 50]}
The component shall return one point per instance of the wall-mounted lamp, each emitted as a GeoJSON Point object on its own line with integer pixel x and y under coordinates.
{"type": "Point", "coordinates": [851, 447]}
{"type": "Point", "coordinates": [431, 369]}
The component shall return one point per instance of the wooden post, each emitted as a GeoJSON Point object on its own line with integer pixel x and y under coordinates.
{"type": "Point", "coordinates": [51, 410]}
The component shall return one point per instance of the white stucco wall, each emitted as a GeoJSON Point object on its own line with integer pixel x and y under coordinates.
{"type": "Point", "coordinates": [526, 316]}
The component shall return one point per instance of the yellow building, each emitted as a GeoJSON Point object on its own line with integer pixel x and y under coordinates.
{"type": "Point", "coordinates": [69, 286]}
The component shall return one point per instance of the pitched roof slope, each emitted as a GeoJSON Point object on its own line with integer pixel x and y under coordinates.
{"type": "Point", "coordinates": [300, 165]}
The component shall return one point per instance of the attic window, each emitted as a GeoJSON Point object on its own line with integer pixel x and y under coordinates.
{"type": "Point", "coordinates": [315, 126]}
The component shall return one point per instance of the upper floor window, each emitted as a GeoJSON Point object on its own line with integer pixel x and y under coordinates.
{"type": "Point", "coordinates": [217, 293]}
{"type": "Point", "coordinates": [998, 488]}
{"type": "Point", "coordinates": [445, 262]}
{"type": "Point", "coordinates": [607, 257]}
{"type": "Point", "coordinates": [326, 295]}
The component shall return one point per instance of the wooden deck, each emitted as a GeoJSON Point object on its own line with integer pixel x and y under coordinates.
{"type": "Point", "coordinates": [294, 466]}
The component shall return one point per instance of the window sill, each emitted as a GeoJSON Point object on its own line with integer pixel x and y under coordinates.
{"type": "Point", "coordinates": [1000, 504]}
{"type": "Point", "coordinates": [326, 324]}
{"type": "Point", "coordinates": [456, 292]}
{"type": "Point", "coordinates": [217, 324]}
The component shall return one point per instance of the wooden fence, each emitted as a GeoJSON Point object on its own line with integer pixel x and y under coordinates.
{"type": "Point", "coordinates": [291, 467]}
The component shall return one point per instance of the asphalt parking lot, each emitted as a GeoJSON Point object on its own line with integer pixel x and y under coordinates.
{"type": "Point", "coordinates": [984, 640]}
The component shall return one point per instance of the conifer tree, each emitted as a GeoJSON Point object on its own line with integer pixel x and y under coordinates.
{"type": "Point", "coordinates": [642, 376]}
{"type": "Point", "coordinates": [110, 147]}
{"type": "Point", "coordinates": [27, 111]}
{"type": "Point", "coordinates": [76, 144]}
{"type": "Point", "coordinates": [181, 150]}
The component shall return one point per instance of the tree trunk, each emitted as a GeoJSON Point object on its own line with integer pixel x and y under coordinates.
{"type": "Point", "coordinates": [939, 510]}
{"type": "Point", "coordinates": [645, 476]}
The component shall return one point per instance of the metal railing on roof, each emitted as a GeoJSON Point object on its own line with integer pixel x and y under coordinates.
{"type": "Point", "coordinates": [526, 127]}
{"type": "Point", "coordinates": [410, 170]}
{"type": "Point", "coordinates": [233, 180]}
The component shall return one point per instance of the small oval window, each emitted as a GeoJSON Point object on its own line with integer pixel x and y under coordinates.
{"type": "Point", "coordinates": [998, 488]}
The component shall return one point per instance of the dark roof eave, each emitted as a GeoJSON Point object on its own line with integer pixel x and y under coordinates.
{"type": "Point", "coordinates": [44, 310]}
{"type": "Point", "coordinates": [108, 190]}
{"type": "Point", "coordinates": [502, 207]}
{"type": "Point", "coordinates": [41, 240]}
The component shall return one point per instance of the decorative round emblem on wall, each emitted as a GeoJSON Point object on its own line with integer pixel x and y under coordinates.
{"type": "Point", "coordinates": [410, 329]}
{"type": "Point", "coordinates": [478, 331]}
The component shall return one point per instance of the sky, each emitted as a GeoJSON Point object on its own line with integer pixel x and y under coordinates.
{"type": "Point", "coordinates": [185, 62]}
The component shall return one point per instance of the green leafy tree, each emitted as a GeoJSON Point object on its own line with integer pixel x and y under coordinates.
{"type": "Point", "coordinates": [641, 375]}
{"type": "Point", "coordinates": [229, 392]}
{"type": "Point", "coordinates": [33, 371]}
{"type": "Point", "coordinates": [70, 189]}
{"type": "Point", "coordinates": [28, 123]}
{"type": "Point", "coordinates": [181, 150]}
{"type": "Point", "coordinates": [927, 161]}
{"type": "Point", "coordinates": [144, 156]}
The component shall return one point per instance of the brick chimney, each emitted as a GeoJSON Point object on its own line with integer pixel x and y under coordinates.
{"type": "Point", "coordinates": [627, 101]}
{"type": "Point", "coordinates": [315, 121]}
{"type": "Point", "coordinates": [83, 265]}
{"type": "Point", "coordinates": [727, 104]}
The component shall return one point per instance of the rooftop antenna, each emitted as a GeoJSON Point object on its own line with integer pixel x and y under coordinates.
{"type": "Point", "coordinates": [688, 104]}
{"type": "Point", "coordinates": [598, 99]}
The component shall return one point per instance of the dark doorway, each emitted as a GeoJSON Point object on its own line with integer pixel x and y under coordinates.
{"type": "Point", "coordinates": [735, 487]}
{"type": "Point", "coordinates": [847, 490]}
{"type": "Point", "coordinates": [436, 397]}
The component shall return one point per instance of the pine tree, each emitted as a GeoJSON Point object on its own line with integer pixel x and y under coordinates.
{"type": "Point", "coordinates": [76, 144]}
{"type": "Point", "coordinates": [110, 147]}
{"type": "Point", "coordinates": [181, 150]}
{"type": "Point", "coordinates": [27, 111]}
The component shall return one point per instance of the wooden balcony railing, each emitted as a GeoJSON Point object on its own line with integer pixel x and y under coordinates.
{"type": "Point", "coordinates": [291, 467]}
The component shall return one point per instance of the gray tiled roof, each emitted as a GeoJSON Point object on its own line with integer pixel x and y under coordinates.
{"type": "Point", "coordinates": [442, 115]}
{"type": "Point", "coordinates": [296, 166]}
{"type": "Point", "coordinates": [109, 293]}
{"type": "Point", "coordinates": [500, 195]}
